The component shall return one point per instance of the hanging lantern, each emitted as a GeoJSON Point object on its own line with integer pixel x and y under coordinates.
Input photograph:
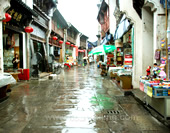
{"type": "Point", "coordinates": [55, 38]}
{"type": "Point", "coordinates": [72, 45]}
{"type": "Point", "coordinates": [60, 42]}
{"type": "Point", "coordinates": [7, 18]}
{"type": "Point", "coordinates": [68, 43]}
{"type": "Point", "coordinates": [29, 29]}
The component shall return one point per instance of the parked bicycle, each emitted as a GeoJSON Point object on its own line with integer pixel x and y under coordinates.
{"type": "Point", "coordinates": [57, 67]}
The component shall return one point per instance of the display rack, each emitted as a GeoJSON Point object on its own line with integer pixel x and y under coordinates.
{"type": "Point", "coordinates": [127, 58]}
{"type": "Point", "coordinates": [160, 102]}
{"type": "Point", "coordinates": [119, 56]}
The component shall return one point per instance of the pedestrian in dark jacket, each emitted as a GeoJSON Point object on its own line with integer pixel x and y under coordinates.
{"type": "Point", "coordinates": [15, 61]}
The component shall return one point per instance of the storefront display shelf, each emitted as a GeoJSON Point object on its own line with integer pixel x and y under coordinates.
{"type": "Point", "coordinates": [161, 96]}
{"type": "Point", "coordinates": [156, 92]}
{"type": "Point", "coordinates": [159, 103]}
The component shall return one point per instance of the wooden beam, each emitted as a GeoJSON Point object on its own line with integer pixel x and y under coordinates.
{"type": "Point", "coordinates": [166, 12]}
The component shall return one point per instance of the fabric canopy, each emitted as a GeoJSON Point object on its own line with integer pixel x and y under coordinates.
{"type": "Point", "coordinates": [102, 49]}
{"type": "Point", "coordinates": [106, 39]}
{"type": "Point", "coordinates": [122, 28]}
{"type": "Point", "coordinates": [163, 2]}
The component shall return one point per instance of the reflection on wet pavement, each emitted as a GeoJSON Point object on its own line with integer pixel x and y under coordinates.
{"type": "Point", "coordinates": [76, 101]}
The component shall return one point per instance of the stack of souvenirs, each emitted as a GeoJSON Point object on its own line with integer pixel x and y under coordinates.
{"type": "Point", "coordinates": [158, 72]}
{"type": "Point", "coordinates": [104, 71]}
{"type": "Point", "coordinates": [156, 83]}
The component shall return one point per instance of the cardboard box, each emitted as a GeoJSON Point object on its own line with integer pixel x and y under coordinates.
{"type": "Point", "coordinates": [126, 82]}
{"type": "Point", "coordinates": [113, 75]}
{"type": "Point", "coordinates": [117, 78]}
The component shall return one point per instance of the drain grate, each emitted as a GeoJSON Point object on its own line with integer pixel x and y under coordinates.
{"type": "Point", "coordinates": [113, 112]}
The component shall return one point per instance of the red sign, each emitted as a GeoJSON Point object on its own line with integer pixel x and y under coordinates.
{"type": "Point", "coordinates": [76, 51]}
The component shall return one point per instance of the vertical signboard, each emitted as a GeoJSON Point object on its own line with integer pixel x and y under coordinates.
{"type": "Point", "coordinates": [76, 51]}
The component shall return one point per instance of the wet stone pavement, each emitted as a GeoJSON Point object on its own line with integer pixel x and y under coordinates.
{"type": "Point", "coordinates": [76, 101]}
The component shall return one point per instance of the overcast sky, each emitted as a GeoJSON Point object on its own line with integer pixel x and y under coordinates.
{"type": "Point", "coordinates": [82, 14]}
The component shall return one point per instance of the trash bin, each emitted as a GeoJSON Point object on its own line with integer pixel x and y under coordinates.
{"type": "Point", "coordinates": [24, 74]}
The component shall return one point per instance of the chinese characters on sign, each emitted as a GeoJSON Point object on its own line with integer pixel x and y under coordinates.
{"type": "Point", "coordinates": [15, 15]}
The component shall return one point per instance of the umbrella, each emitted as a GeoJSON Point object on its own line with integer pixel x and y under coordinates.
{"type": "Point", "coordinates": [85, 57]}
{"type": "Point", "coordinates": [102, 49]}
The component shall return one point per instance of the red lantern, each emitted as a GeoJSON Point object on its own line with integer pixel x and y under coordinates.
{"type": "Point", "coordinates": [29, 29]}
{"type": "Point", "coordinates": [60, 42]}
{"type": "Point", "coordinates": [55, 38]}
{"type": "Point", "coordinates": [68, 43]}
{"type": "Point", "coordinates": [72, 45]}
{"type": "Point", "coordinates": [7, 18]}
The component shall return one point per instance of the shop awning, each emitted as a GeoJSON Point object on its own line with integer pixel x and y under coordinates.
{"type": "Point", "coordinates": [122, 28]}
{"type": "Point", "coordinates": [94, 44]}
{"type": "Point", "coordinates": [102, 49]}
{"type": "Point", "coordinates": [163, 2]}
{"type": "Point", "coordinates": [106, 39]}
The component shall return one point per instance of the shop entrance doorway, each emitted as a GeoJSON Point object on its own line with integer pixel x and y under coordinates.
{"type": "Point", "coordinates": [12, 45]}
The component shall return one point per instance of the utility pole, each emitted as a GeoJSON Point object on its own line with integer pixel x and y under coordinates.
{"type": "Point", "coordinates": [166, 39]}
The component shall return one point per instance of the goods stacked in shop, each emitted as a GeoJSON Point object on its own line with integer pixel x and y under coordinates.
{"type": "Point", "coordinates": [157, 88]}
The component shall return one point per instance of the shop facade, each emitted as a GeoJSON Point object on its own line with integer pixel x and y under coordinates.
{"type": "Point", "coordinates": [3, 7]}
{"type": "Point", "coordinates": [14, 36]}
{"type": "Point", "coordinates": [149, 48]}
{"type": "Point", "coordinates": [147, 34]}
{"type": "Point", "coordinates": [72, 43]}
{"type": "Point", "coordinates": [38, 44]}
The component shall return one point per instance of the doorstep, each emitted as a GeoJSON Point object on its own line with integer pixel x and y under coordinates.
{"type": "Point", "coordinates": [41, 75]}
{"type": "Point", "coordinates": [44, 74]}
{"type": "Point", "coordinates": [139, 95]}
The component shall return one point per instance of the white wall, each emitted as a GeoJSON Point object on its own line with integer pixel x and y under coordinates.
{"type": "Point", "coordinates": [159, 23]}
{"type": "Point", "coordinates": [78, 39]}
{"type": "Point", "coordinates": [3, 8]}
{"type": "Point", "coordinates": [138, 49]}
{"type": "Point", "coordinates": [147, 41]}
{"type": "Point", "coordinates": [1, 49]}
{"type": "Point", "coordinates": [112, 5]}
{"type": "Point", "coordinates": [24, 51]}
{"type": "Point", "coordinates": [28, 3]}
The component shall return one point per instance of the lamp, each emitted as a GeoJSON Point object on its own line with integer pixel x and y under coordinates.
{"type": "Point", "coordinates": [29, 29]}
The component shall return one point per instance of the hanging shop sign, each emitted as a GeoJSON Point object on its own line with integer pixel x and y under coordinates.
{"type": "Point", "coordinates": [17, 18]}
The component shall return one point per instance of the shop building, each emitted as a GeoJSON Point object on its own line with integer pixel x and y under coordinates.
{"type": "Point", "coordinates": [14, 36]}
{"type": "Point", "coordinates": [39, 43]}
{"type": "Point", "coordinates": [3, 7]}
{"type": "Point", "coordinates": [71, 47]}
{"type": "Point", "coordinates": [82, 52]}
{"type": "Point", "coordinates": [59, 25]}
{"type": "Point", "coordinates": [148, 33]}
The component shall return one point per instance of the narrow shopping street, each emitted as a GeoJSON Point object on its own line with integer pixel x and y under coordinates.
{"type": "Point", "coordinates": [76, 101]}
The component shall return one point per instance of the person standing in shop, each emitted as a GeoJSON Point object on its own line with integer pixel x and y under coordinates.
{"type": "Point", "coordinates": [15, 62]}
